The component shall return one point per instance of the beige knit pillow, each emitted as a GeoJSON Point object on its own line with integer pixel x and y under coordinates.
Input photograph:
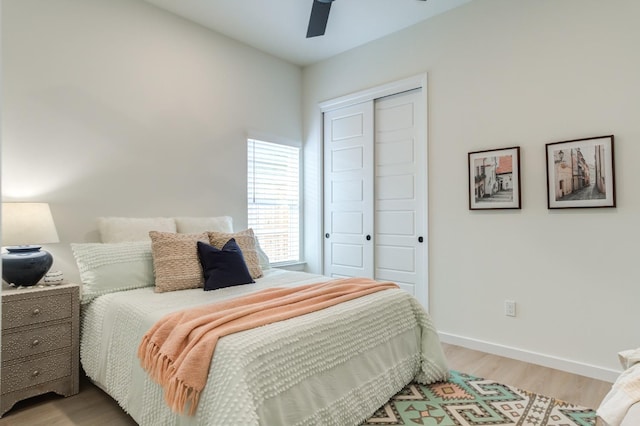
{"type": "Point", "coordinates": [246, 240]}
{"type": "Point", "coordinates": [175, 260]}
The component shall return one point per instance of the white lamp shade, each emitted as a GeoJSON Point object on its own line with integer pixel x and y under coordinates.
{"type": "Point", "coordinates": [27, 223]}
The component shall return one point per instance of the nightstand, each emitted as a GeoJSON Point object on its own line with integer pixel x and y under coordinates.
{"type": "Point", "coordinates": [40, 342]}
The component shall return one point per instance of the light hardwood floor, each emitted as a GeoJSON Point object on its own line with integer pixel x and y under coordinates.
{"type": "Point", "coordinates": [561, 385]}
{"type": "Point", "coordinates": [93, 407]}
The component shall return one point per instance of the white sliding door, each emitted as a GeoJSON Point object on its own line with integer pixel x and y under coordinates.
{"type": "Point", "coordinates": [375, 186]}
{"type": "Point", "coordinates": [348, 191]}
{"type": "Point", "coordinates": [400, 190]}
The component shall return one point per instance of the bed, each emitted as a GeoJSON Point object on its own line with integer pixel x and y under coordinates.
{"type": "Point", "coordinates": [335, 366]}
{"type": "Point", "coordinates": [621, 406]}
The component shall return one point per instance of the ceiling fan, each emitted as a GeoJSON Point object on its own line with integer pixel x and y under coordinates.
{"type": "Point", "coordinates": [319, 17]}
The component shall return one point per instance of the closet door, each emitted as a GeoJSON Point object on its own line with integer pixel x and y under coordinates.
{"type": "Point", "coordinates": [400, 192]}
{"type": "Point", "coordinates": [375, 191]}
{"type": "Point", "coordinates": [348, 191]}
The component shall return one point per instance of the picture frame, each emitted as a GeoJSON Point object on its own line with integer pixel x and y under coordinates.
{"type": "Point", "coordinates": [494, 179]}
{"type": "Point", "coordinates": [581, 173]}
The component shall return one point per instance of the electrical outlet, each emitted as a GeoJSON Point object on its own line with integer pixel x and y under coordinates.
{"type": "Point", "coordinates": [510, 308]}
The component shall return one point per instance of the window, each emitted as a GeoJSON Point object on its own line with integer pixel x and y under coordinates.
{"type": "Point", "coordinates": [273, 176]}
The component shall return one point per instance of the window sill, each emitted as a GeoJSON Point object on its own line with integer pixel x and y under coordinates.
{"type": "Point", "coordinates": [290, 266]}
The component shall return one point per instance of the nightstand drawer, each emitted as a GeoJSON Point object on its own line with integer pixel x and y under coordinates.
{"type": "Point", "coordinates": [34, 310]}
{"type": "Point", "coordinates": [35, 341]}
{"type": "Point", "coordinates": [25, 374]}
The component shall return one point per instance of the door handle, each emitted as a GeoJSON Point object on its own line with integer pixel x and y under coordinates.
{"type": "Point", "coordinates": [326, 235]}
{"type": "Point", "coordinates": [420, 239]}
{"type": "Point", "coordinates": [368, 237]}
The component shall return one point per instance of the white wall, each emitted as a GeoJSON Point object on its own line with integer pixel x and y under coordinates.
{"type": "Point", "coordinates": [118, 108]}
{"type": "Point", "coordinates": [515, 73]}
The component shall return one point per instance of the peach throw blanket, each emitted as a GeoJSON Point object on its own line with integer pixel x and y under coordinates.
{"type": "Point", "coordinates": [177, 350]}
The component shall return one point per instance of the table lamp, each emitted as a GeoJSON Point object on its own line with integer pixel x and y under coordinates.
{"type": "Point", "coordinates": [24, 225]}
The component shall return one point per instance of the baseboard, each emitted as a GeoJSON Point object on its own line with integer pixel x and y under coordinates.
{"type": "Point", "coordinates": [593, 371]}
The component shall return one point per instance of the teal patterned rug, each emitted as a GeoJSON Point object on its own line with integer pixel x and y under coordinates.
{"type": "Point", "coordinates": [465, 400]}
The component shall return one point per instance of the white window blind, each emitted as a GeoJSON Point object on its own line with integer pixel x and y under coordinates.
{"type": "Point", "coordinates": [274, 198]}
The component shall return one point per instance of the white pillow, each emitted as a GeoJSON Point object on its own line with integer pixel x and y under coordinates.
{"type": "Point", "coordinates": [107, 268]}
{"type": "Point", "coordinates": [262, 257]}
{"type": "Point", "coordinates": [196, 225]}
{"type": "Point", "coordinates": [121, 229]}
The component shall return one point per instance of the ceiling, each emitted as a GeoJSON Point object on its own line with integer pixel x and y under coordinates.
{"type": "Point", "coordinates": [279, 27]}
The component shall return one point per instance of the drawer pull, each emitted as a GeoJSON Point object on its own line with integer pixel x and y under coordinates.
{"type": "Point", "coordinates": [35, 342]}
{"type": "Point", "coordinates": [35, 373]}
{"type": "Point", "coordinates": [36, 311]}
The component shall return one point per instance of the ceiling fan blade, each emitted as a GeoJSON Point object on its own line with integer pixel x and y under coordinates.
{"type": "Point", "coordinates": [319, 17]}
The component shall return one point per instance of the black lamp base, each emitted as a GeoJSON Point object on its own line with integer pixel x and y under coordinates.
{"type": "Point", "coordinates": [25, 265]}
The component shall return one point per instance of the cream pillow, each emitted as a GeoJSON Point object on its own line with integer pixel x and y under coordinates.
{"type": "Point", "coordinates": [107, 268]}
{"type": "Point", "coordinates": [175, 260]}
{"type": "Point", "coordinates": [265, 263]}
{"type": "Point", "coordinates": [192, 225]}
{"type": "Point", "coordinates": [246, 241]}
{"type": "Point", "coordinates": [121, 229]}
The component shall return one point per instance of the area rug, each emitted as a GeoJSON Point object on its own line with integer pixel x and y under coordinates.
{"type": "Point", "coordinates": [465, 400]}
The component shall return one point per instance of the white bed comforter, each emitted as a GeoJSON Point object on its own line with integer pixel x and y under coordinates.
{"type": "Point", "coordinates": [335, 366]}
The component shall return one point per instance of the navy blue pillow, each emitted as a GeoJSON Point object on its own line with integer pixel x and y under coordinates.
{"type": "Point", "coordinates": [223, 268]}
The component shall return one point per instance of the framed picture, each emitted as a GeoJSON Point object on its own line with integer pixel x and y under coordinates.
{"type": "Point", "coordinates": [494, 179]}
{"type": "Point", "coordinates": [580, 173]}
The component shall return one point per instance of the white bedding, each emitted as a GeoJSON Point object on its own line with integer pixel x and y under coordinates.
{"type": "Point", "coordinates": [621, 406]}
{"type": "Point", "coordinates": [335, 366]}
